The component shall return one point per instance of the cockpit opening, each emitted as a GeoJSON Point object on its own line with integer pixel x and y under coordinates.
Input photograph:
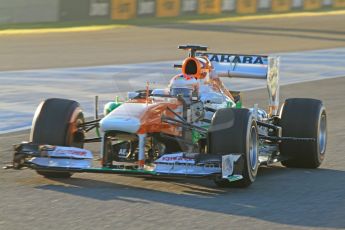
{"type": "Point", "coordinates": [191, 67]}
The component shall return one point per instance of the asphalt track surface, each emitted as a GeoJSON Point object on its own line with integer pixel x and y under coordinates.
{"type": "Point", "coordinates": [281, 198]}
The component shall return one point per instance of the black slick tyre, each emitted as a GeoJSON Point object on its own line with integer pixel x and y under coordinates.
{"type": "Point", "coordinates": [235, 131]}
{"type": "Point", "coordinates": [304, 118]}
{"type": "Point", "coordinates": [56, 123]}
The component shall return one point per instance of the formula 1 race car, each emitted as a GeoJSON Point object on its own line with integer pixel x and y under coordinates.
{"type": "Point", "coordinates": [194, 128]}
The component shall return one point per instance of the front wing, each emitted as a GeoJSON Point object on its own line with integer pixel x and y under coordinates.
{"type": "Point", "coordinates": [76, 160]}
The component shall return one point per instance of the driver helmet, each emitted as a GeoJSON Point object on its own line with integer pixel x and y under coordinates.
{"type": "Point", "coordinates": [184, 85]}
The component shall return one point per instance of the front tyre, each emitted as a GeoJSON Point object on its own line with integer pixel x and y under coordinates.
{"type": "Point", "coordinates": [235, 131]}
{"type": "Point", "coordinates": [56, 123]}
{"type": "Point", "coordinates": [302, 117]}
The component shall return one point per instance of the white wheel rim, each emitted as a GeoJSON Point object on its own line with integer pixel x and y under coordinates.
{"type": "Point", "coordinates": [253, 150]}
{"type": "Point", "coordinates": [322, 134]}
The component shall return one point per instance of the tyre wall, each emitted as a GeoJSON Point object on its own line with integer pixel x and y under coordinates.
{"type": "Point", "coordinates": [18, 11]}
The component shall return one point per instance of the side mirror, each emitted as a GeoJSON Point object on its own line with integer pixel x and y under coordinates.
{"type": "Point", "coordinates": [133, 95]}
{"type": "Point", "coordinates": [236, 95]}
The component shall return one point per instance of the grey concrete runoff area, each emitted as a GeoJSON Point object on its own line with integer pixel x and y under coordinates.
{"type": "Point", "coordinates": [281, 198]}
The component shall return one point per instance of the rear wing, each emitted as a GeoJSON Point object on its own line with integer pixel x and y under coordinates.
{"type": "Point", "coordinates": [249, 66]}
{"type": "Point", "coordinates": [239, 66]}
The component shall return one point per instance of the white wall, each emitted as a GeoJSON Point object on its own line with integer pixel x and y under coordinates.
{"type": "Point", "coordinates": [12, 11]}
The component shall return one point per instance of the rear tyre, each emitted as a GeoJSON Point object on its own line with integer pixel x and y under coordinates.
{"type": "Point", "coordinates": [235, 131]}
{"type": "Point", "coordinates": [301, 117]}
{"type": "Point", "coordinates": [56, 123]}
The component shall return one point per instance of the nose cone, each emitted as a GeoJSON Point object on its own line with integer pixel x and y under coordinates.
{"type": "Point", "coordinates": [126, 118]}
{"type": "Point", "coordinates": [123, 124]}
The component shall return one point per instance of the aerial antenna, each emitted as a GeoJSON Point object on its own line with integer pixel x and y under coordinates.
{"type": "Point", "coordinates": [192, 49]}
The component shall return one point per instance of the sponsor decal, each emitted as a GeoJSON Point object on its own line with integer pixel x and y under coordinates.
{"type": "Point", "coordinates": [246, 7]}
{"type": "Point", "coordinates": [281, 5]}
{"type": "Point", "coordinates": [339, 3]}
{"type": "Point", "coordinates": [123, 9]}
{"type": "Point", "coordinates": [312, 4]}
{"type": "Point", "coordinates": [176, 158]}
{"type": "Point", "coordinates": [168, 8]}
{"type": "Point", "coordinates": [69, 152]}
{"type": "Point", "coordinates": [210, 6]}
{"type": "Point", "coordinates": [229, 58]}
